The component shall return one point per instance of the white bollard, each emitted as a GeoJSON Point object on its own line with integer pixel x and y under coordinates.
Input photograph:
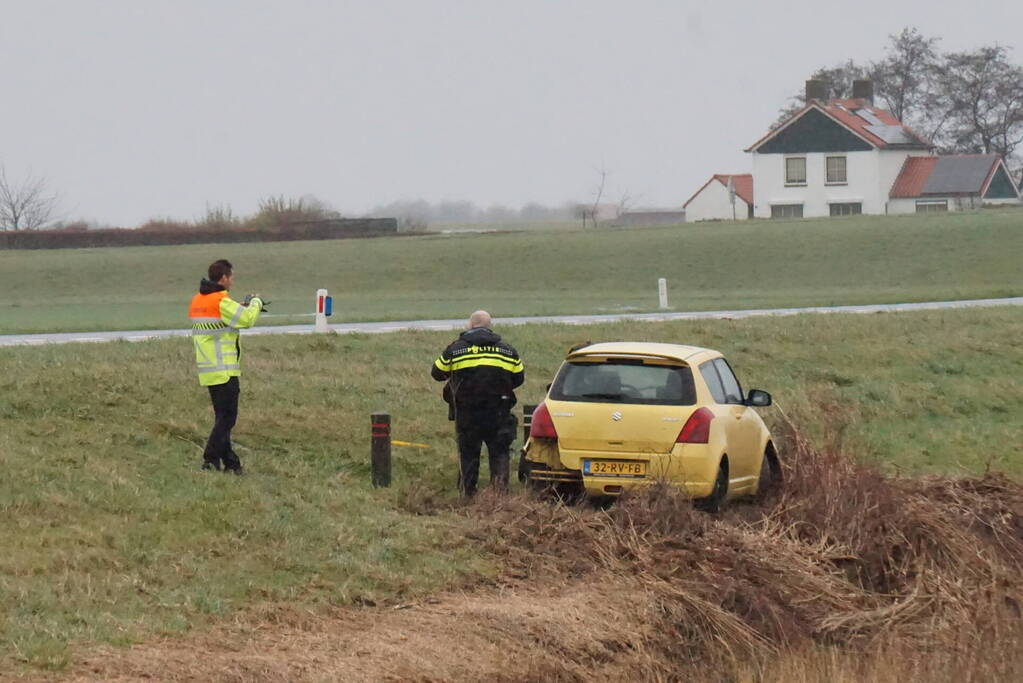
{"type": "Point", "coordinates": [321, 312]}
{"type": "Point", "coordinates": [662, 291]}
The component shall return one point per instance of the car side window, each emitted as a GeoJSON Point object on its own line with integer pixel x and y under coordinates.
{"type": "Point", "coordinates": [733, 392]}
{"type": "Point", "coordinates": [710, 376]}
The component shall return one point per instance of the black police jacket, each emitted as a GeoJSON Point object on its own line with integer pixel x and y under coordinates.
{"type": "Point", "coordinates": [482, 371]}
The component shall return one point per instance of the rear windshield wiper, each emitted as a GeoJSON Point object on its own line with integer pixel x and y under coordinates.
{"type": "Point", "coordinates": [610, 397]}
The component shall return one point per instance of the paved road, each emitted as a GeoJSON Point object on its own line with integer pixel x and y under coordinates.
{"type": "Point", "coordinates": [376, 328]}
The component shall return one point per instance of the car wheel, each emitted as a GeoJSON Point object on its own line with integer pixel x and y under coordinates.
{"type": "Point", "coordinates": [770, 474]}
{"type": "Point", "coordinates": [713, 502]}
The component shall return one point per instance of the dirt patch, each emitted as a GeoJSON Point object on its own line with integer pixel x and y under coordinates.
{"type": "Point", "coordinates": [517, 632]}
{"type": "Point", "coordinates": [845, 575]}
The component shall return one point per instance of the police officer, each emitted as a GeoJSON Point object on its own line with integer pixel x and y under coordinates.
{"type": "Point", "coordinates": [216, 319]}
{"type": "Point", "coordinates": [482, 372]}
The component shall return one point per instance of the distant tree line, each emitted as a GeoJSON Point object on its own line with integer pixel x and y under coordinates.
{"type": "Point", "coordinates": [963, 102]}
{"type": "Point", "coordinates": [418, 213]}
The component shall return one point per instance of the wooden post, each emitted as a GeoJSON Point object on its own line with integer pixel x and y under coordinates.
{"type": "Point", "coordinates": [380, 452]}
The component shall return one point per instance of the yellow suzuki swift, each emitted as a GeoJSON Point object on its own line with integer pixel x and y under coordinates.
{"type": "Point", "coordinates": [624, 414]}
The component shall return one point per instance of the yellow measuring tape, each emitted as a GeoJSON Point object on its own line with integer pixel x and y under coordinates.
{"type": "Point", "coordinates": [409, 443]}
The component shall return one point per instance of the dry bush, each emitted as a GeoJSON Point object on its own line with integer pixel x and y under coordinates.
{"type": "Point", "coordinates": [166, 225]}
{"type": "Point", "coordinates": [921, 575]}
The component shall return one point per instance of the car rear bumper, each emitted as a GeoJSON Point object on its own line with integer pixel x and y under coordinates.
{"type": "Point", "coordinates": [691, 466]}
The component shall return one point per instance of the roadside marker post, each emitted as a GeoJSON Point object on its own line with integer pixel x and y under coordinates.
{"type": "Point", "coordinates": [324, 306]}
{"type": "Point", "coordinates": [662, 292]}
{"type": "Point", "coordinates": [380, 449]}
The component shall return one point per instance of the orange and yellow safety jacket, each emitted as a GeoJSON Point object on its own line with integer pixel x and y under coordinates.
{"type": "Point", "coordinates": [216, 319]}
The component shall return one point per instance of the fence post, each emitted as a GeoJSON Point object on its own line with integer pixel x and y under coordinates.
{"type": "Point", "coordinates": [321, 311]}
{"type": "Point", "coordinates": [662, 292]}
{"type": "Point", "coordinates": [380, 450]}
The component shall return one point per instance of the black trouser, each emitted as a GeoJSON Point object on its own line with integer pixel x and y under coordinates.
{"type": "Point", "coordinates": [497, 430]}
{"type": "Point", "coordinates": [225, 409]}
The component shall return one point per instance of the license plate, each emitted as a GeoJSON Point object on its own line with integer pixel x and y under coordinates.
{"type": "Point", "coordinates": [614, 468]}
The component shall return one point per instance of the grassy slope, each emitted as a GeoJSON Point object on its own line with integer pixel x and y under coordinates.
{"type": "Point", "coordinates": [708, 266]}
{"type": "Point", "coordinates": [112, 534]}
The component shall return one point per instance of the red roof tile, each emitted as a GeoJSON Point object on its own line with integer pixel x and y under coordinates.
{"type": "Point", "coordinates": [743, 186]}
{"type": "Point", "coordinates": [913, 176]}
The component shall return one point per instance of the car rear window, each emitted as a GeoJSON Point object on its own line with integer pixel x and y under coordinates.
{"type": "Point", "coordinates": [624, 381]}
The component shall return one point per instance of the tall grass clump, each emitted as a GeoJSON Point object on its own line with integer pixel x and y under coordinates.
{"type": "Point", "coordinates": [847, 574]}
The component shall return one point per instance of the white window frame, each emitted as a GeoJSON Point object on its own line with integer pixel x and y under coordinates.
{"type": "Point", "coordinates": [932, 202]}
{"type": "Point", "coordinates": [802, 209]}
{"type": "Point", "coordinates": [795, 183]}
{"type": "Point", "coordinates": [850, 202]}
{"type": "Point", "coordinates": [845, 171]}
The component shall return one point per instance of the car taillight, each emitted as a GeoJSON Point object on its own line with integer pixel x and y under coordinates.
{"type": "Point", "coordinates": [696, 428]}
{"type": "Point", "coordinates": [542, 427]}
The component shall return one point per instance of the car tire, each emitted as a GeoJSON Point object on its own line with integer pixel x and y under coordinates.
{"type": "Point", "coordinates": [770, 474]}
{"type": "Point", "coordinates": [716, 499]}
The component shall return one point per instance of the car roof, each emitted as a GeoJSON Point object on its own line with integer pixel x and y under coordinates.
{"type": "Point", "coordinates": [681, 352]}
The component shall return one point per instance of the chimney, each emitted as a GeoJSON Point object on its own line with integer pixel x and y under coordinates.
{"type": "Point", "coordinates": [864, 90]}
{"type": "Point", "coordinates": [816, 90]}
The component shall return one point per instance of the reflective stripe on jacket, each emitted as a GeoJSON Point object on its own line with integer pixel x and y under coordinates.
{"type": "Point", "coordinates": [484, 370]}
{"type": "Point", "coordinates": [216, 319]}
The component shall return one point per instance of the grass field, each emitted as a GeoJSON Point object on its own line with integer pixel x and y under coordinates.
{"type": "Point", "coordinates": [708, 266]}
{"type": "Point", "coordinates": [113, 535]}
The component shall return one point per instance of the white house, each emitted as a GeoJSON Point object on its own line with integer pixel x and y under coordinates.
{"type": "Point", "coordinates": [716, 200]}
{"type": "Point", "coordinates": [832, 158]}
{"type": "Point", "coordinates": [952, 183]}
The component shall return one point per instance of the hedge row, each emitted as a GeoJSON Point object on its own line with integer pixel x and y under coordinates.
{"type": "Point", "coordinates": [312, 230]}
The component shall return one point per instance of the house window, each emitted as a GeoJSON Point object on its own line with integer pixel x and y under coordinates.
{"type": "Point", "coordinates": [847, 209]}
{"type": "Point", "coordinates": [786, 210]}
{"type": "Point", "coordinates": [932, 206]}
{"type": "Point", "coordinates": [795, 171]}
{"type": "Point", "coordinates": [835, 170]}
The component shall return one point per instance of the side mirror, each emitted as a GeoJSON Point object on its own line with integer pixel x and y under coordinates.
{"type": "Point", "coordinates": [549, 387]}
{"type": "Point", "coordinates": [758, 398]}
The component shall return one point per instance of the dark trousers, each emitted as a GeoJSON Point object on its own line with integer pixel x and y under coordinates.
{"type": "Point", "coordinates": [225, 411]}
{"type": "Point", "coordinates": [497, 430]}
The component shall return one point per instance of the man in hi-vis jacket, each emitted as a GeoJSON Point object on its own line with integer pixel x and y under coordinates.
{"type": "Point", "coordinates": [216, 319]}
{"type": "Point", "coordinates": [482, 372]}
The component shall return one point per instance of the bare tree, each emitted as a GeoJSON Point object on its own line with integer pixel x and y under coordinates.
{"type": "Point", "coordinates": [581, 211]}
{"type": "Point", "coordinates": [963, 101]}
{"type": "Point", "coordinates": [25, 206]}
{"type": "Point", "coordinates": [983, 92]}
{"type": "Point", "coordinates": [598, 193]}
{"type": "Point", "coordinates": [626, 200]}
{"type": "Point", "coordinates": [904, 78]}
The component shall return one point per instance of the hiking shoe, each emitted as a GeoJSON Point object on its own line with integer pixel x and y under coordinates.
{"type": "Point", "coordinates": [207, 465]}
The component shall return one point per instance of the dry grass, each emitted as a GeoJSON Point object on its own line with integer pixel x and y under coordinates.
{"type": "Point", "coordinates": [846, 575]}
{"type": "Point", "coordinates": [917, 578]}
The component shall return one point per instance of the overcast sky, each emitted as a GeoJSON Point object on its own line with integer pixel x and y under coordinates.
{"type": "Point", "coordinates": [135, 109]}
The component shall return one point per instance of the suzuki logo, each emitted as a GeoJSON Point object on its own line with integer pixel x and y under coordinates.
{"type": "Point", "coordinates": [616, 416]}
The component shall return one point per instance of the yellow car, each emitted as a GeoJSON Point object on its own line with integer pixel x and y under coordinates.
{"type": "Point", "coordinates": [624, 414]}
